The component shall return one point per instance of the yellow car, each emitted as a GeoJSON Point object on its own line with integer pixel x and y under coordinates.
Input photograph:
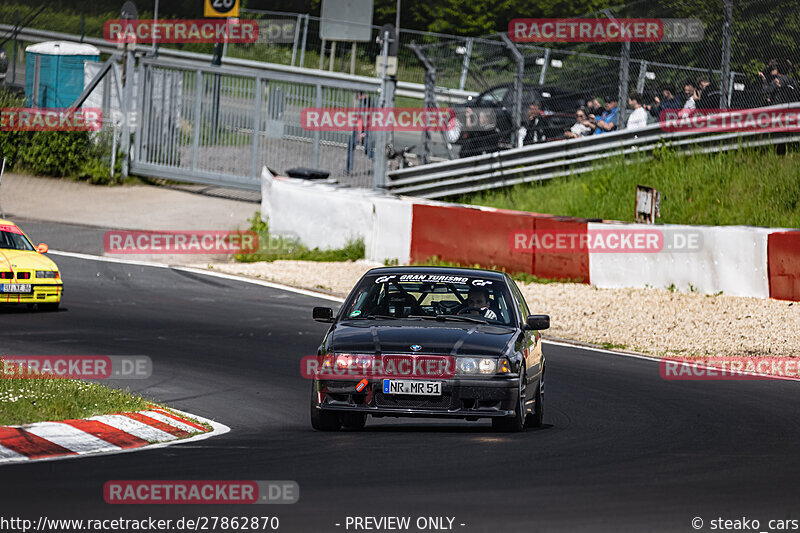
{"type": "Point", "coordinates": [27, 276]}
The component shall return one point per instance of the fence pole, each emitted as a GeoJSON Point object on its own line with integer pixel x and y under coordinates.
{"type": "Point", "coordinates": [303, 46]}
{"type": "Point", "coordinates": [296, 38]}
{"type": "Point", "coordinates": [315, 152]}
{"type": "Point", "coordinates": [379, 168]}
{"type": "Point", "coordinates": [543, 72]}
{"type": "Point", "coordinates": [642, 77]}
{"type": "Point", "coordinates": [465, 64]}
{"type": "Point", "coordinates": [519, 72]}
{"type": "Point", "coordinates": [730, 91]}
{"type": "Point", "coordinates": [624, 79]}
{"type": "Point", "coordinates": [125, 141]}
{"type": "Point", "coordinates": [430, 96]}
{"type": "Point", "coordinates": [14, 53]}
{"type": "Point", "coordinates": [322, 55]}
{"type": "Point", "coordinates": [725, 82]}
{"type": "Point", "coordinates": [256, 128]}
{"type": "Point", "coordinates": [83, 27]}
{"type": "Point", "coordinates": [197, 120]}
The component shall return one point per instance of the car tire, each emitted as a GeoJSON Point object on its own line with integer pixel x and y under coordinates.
{"type": "Point", "coordinates": [516, 423]}
{"type": "Point", "coordinates": [323, 420]}
{"type": "Point", "coordinates": [53, 306]}
{"type": "Point", "coordinates": [354, 420]}
{"type": "Point", "coordinates": [536, 418]}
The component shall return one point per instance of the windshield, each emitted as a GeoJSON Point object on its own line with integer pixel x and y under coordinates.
{"type": "Point", "coordinates": [468, 298]}
{"type": "Point", "coordinates": [11, 238]}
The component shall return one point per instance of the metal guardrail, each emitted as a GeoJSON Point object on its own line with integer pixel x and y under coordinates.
{"type": "Point", "coordinates": [555, 159]}
{"type": "Point", "coordinates": [407, 89]}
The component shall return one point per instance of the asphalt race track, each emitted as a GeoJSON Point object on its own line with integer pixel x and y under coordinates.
{"type": "Point", "coordinates": [623, 450]}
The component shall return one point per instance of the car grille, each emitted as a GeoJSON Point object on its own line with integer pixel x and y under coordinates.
{"type": "Point", "coordinates": [413, 401]}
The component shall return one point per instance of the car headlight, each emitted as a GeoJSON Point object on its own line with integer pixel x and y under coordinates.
{"type": "Point", "coordinates": [474, 365]}
{"type": "Point", "coordinates": [47, 274]}
{"type": "Point", "coordinates": [487, 366]}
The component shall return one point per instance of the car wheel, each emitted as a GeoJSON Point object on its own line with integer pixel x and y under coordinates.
{"type": "Point", "coordinates": [536, 418]}
{"type": "Point", "coordinates": [323, 420]}
{"type": "Point", "coordinates": [53, 306]}
{"type": "Point", "coordinates": [517, 422]}
{"type": "Point", "coordinates": [354, 420]}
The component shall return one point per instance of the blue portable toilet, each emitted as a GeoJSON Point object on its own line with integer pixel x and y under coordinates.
{"type": "Point", "coordinates": [60, 76]}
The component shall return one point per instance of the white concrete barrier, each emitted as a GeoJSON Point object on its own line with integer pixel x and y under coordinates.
{"type": "Point", "coordinates": [328, 216]}
{"type": "Point", "coordinates": [731, 259]}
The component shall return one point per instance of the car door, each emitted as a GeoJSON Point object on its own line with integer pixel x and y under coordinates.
{"type": "Point", "coordinates": [528, 342]}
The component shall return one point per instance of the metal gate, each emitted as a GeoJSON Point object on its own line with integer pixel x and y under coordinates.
{"type": "Point", "coordinates": [219, 125]}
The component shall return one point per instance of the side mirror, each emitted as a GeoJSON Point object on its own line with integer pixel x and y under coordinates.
{"type": "Point", "coordinates": [323, 314]}
{"type": "Point", "coordinates": [42, 248]}
{"type": "Point", "coordinates": [538, 322]}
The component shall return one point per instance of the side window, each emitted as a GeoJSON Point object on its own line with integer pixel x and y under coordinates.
{"type": "Point", "coordinates": [494, 97]}
{"type": "Point", "coordinates": [523, 306]}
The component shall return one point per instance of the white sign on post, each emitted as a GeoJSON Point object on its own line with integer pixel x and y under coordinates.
{"type": "Point", "coordinates": [346, 20]}
{"type": "Point", "coordinates": [391, 65]}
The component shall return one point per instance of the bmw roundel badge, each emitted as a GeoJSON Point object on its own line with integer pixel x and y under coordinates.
{"type": "Point", "coordinates": [415, 347]}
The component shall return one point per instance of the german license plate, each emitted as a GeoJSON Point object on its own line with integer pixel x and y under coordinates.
{"type": "Point", "coordinates": [402, 386]}
{"type": "Point", "coordinates": [15, 287]}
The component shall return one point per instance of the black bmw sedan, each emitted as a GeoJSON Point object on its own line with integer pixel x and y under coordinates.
{"type": "Point", "coordinates": [429, 342]}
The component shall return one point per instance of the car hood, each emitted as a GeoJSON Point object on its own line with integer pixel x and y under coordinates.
{"type": "Point", "coordinates": [14, 259]}
{"type": "Point", "coordinates": [446, 339]}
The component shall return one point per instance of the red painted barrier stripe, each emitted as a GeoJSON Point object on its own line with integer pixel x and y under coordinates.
{"type": "Point", "coordinates": [180, 419]}
{"type": "Point", "coordinates": [30, 445]}
{"type": "Point", "coordinates": [783, 264]}
{"type": "Point", "coordinates": [107, 433]}
{"type": "Point", "coordinates": [172, 430]}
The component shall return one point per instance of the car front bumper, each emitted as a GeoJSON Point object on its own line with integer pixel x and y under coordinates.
{"type": "Point", "coordinates": [40, 293]}
{"type": "Point", "coordinates": [460, 398]}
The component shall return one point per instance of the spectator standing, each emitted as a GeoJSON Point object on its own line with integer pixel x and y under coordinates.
{"type": "Point", "coordinates": [668, 100]}
{"type": "Point", "coordinates": [593, 108]}
{"type": "Point", "coordinates": [609, 119]}
{"type": "Point", "coordinates": [638, 118]}
{"type": "Point", "coordinates": [690, 91]}
{"type": "Point", "coordinates": [777, 86]}
{"type": "Point", "coordinates": [535, 127]}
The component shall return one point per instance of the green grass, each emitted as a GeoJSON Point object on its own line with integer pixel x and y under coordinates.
{"type": "Point", "coordinates": [24, 401]}
{"type": "Point", "coordinates": [755, 187]}
{"type": "Point", "coordinates": [272, 248]}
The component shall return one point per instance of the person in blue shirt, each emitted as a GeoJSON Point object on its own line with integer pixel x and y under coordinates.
{"type": "Point", "coordinates": [610, 117]}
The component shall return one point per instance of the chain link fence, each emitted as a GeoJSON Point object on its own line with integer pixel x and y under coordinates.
{"type": "Point", "coordinates": [747, 57]}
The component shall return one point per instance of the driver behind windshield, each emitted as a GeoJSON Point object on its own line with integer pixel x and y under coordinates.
{"type": "Point", "coordinates": [478, 303]}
